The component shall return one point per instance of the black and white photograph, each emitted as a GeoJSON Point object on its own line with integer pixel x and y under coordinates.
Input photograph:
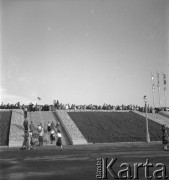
{"type": "Point", "coordinates": [84, 89]}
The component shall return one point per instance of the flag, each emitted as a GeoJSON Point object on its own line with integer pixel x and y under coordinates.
{"type": "Point", "coordinates": [153, 87]}
{"type": "Point", "coordinates": [165, 82]}
{"type": "Point", "coordinates": [158, 80]}
{"type": "Point", "coordinates": [39, 98]}
{"type": "Point", "coordinates": [152, 77]}
{"type": "Point", "coordinates": [164, 79]}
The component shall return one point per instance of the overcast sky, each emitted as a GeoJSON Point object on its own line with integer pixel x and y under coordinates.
{"type": "Point", "coordinates": [83, 52]}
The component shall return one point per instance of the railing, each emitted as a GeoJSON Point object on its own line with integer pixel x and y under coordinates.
{"type": "Point", "coordinates": [16, 128]}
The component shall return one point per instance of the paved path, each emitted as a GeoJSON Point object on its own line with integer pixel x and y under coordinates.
{"type": "Point", "coordinates": [65, 139]}
{"type": "Point", "coordinates": [76, 162]}
{"type": "Point", "coordinates": [44, 117]}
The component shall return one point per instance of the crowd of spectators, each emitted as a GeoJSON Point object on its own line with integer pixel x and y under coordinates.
{"type": "Point", "coordinates": [58, 105]}
{"type": "Point", "coordinates": [30, 107]}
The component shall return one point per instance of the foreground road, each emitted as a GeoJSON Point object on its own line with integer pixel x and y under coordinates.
{"type": "Point", "coordinates": [79, 162]}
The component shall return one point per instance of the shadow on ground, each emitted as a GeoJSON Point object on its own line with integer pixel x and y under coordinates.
{"type": "Point", "coordinates": [75, 162]}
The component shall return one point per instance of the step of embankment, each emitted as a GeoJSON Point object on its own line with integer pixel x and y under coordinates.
{"type": "Point", "coordinates": [44, 117]}
{"type": "Point", "coordinates": [16, 128]}
{"type": "Point", "coordinates": [70, 127]}
{"type": "Point", "coordinates": [158, 118]}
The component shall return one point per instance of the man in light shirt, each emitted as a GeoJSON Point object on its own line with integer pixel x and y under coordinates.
{"type": "Point", "coordinates": [40, 132]}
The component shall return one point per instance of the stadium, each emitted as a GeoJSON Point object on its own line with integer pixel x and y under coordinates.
{"type": "Point", "coordinates": [87, 134]}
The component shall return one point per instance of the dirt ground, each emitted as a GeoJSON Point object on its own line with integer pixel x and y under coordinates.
{"type": "Point", "coordinates": [77, 162]}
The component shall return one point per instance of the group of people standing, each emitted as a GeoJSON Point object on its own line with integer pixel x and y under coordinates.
{"type": "Point", "coordinates": [30, 138]}
{"type": "Point", "coordinates": [55, 131]}
{"type": "Point", "coordinates": [35, 136]}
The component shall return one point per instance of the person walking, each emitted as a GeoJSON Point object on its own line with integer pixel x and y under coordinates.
{"type": "Point", "coordinates": [41, 137]}
{"type": "Point", "coordinates": [25, 124]}
{"type": "Point", "coordinates": [48, 130]}
{"type": "Point", "coordinates": [25, 112]}
{"type": "Point", "coordinates": [52, 136]}
{"type": "Point", "coordinates": [40, 132]}
{"type": "Point", "coordinates": [52, 126]}
{"type": "Point", "coordinates": [59, 140]}
{"type": "Point", "coordinates": [39, 127]}
{"type": "Point", "coordinates": [31, 127]}
{"type": "Point", "coordinates": [165, 137]}
{"type": "Point", "coordinates": [29, 140]}
{"type": "Point", "coordinates": [25, 140]}
{"type": "Point", "coordinates": [49, 127]}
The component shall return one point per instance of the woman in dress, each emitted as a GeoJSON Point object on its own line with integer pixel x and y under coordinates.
{"type": "Point", "coordinates": [59, 140]}
{"type": "Point", "coordinates": [26, 141]}
{"type": "Point", "coordinates": [49, 127]}
{"type": "Point", "coordinates": [52, 136]}
{"type": "Point", "coordinates": [48, 131]}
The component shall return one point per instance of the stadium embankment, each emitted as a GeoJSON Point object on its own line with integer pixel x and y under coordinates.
{"type": "Point", "coordinates": [114, 126]}
{"type": "Point", "coordinates": [70, 127]}
{"type": "Point", "coordinates": [5, 121]}
{"type": "Point", "coordinates": [82, 127]}
{"type": "Point", "coordinates": [44, 117]}
{"type": "Point", "coordinates": [16, 128]}
{"type": "Point", "coordinates": [160, 118]}
{"type": "Point", "coordinates": [70, 133]}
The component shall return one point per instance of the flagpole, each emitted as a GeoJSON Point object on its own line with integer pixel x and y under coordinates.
{"type": "Point", "coordinates": [165, 96]}
{"type": "Point", "coordinates": [153, 89]}
{"type": "Point", "coordinates": [153, 102]}
{"type": "Point", "coordinates": [159, 97]}
{"type": "Point", "coordinates": [164, 81]}
{"type": "Point", "coordinates": [147, 129]}
{"type": "Point", "coordinates": [158, 85]}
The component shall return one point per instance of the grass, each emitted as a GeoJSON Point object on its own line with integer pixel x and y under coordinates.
{"type": "Point", "coordinates": [106, 127]}
{"type": "Point", "coordinates": [5, 121]}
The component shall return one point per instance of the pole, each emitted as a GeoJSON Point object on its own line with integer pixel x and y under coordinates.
{"type": "Point", "coordinates": [158, 85]}
{"type": "Point", "coordinates": [153, 89]}
{"type": "Point", "coordinates": [153, 103]}
{"type": "Point", "coordinates": [159, 96]}
{"type": "Point", "coordinates": [147, 131]}
{"type": "Point", "coordinates": [165, 97]}
{"type": "Point", "coordinates": [164, 82]}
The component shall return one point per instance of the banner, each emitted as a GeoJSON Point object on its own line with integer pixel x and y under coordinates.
{"type": "Point", "coordinates": [158, 80]}
{"type": "Point", "coordinates": [164, 80]}
{"type": "Point", "coordinates": [153, 85]}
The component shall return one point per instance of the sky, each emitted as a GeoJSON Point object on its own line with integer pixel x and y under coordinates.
{"type": "Point", "coordinates": [84, 52]}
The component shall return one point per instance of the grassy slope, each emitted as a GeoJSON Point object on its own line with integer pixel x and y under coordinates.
{"type": "Point", "coordinates": [5, 120]}
{"type": "Point", "coordinates": [100, 127]}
